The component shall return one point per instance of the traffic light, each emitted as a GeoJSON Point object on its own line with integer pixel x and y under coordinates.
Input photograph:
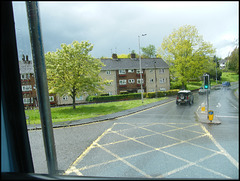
{"type": "Point", "coordinates": [206, 82]}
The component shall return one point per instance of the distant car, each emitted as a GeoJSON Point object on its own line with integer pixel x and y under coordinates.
{"type": "Point", "coordinates": [185, 97]}
{"type": "Point", "coordinates": [203, 91]}
{"type": "Point", "coordinates": [226, 84]}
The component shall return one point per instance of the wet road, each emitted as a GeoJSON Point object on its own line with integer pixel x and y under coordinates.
{"type": "Point", "coordinates": [162, 142]}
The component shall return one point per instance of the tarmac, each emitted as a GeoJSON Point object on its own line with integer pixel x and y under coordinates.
{"type": "Point", "coordinates": [202, 116]}
{"type": "Point", "coordinates": [103, 118]}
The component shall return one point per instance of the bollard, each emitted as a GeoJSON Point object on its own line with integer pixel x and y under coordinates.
{"type": "Point", "coordinates": [210, 115]}
{"type": "Point", "coordinates": [203, 107]}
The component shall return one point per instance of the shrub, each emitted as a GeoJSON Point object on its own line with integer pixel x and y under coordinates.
{"type": "Point", "coordinates": [131, 96]}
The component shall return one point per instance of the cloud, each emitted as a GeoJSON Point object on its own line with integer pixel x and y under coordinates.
{"type": "Point", "coordinates": [115, 25]}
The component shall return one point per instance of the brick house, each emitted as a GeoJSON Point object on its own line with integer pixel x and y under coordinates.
{"type": "Point", "coordinates": [28, 84]}
{"type": "Point", "coordinates": [125, 75]}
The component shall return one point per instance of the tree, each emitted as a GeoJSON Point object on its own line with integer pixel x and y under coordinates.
{"type": "Point", "coordinates": [149, 51]}
{"type": "Point", "coordinates": [73, 71]}
{"type": "Point", "coordinates": [186, 53]}
{"type": "Point", "coordinates": [233, 60]}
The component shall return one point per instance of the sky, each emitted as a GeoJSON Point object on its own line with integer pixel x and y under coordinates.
{"type": "Point", "coordinates": [115, 26]}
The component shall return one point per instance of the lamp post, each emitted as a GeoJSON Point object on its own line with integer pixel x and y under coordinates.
{"type": "Point", "coordinates": [140, 65]}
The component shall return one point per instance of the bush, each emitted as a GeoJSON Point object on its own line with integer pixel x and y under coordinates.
{"type": "Point", "coordinates": [131, 96]}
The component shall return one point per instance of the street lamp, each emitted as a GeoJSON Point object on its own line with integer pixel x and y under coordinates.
{"type": "Point", "coordinates": [140, 65]}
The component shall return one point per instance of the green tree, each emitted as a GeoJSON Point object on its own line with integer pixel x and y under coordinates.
{"type": "Point", "coordinates": [186, 53]}
{"type": "Point", "coordinates": [149, 51]}
{"type": "Point", "coordinates": [233, 60]}
{"type": "Point", "coordinates": [73, 71]}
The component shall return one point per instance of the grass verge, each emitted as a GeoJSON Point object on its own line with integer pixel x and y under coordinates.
{"type": "Point", "coordinates": [61, 114]}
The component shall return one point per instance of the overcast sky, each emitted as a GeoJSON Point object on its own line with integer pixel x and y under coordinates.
{"type": "Point", "coordinates": [114, 27]}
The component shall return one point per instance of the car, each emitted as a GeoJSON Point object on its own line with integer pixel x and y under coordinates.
{"type": "Point", "coordinates": [226, 84]}
{"type": "Point", "coordinates": [185, 97]}
{"type": "Point", "coordinates": [203, 91]}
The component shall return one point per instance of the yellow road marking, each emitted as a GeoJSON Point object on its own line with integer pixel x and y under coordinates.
{"type": "Point", "coordinates": [231, 159]}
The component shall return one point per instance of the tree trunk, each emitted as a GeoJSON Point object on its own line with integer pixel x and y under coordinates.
{"type": "Point", "coordinates": [73, 97]}
{"type": "Point", "coordinates": [74, 102]}
{"type": "Point", "coordinates": [183, 86]}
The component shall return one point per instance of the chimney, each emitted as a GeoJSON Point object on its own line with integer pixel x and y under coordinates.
{"type": "Point", "coordinates": [114, 56]}
{"type": "Point", "coordinates": [133, 55]}
{"type": "Point", "coordinates": [23, 57]}
{"type": "Point", "coordinates": [26, 57]}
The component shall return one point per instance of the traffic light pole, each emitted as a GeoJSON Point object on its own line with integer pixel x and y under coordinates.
{"type": "Point", "coordinates": [206, 86]}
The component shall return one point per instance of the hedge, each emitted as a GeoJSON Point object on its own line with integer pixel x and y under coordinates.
{"type": "Point", "coordinates": [131, 96]}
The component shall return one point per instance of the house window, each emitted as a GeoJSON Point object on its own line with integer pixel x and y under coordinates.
{"type": "Point", "coordinates": [65, 98]}
{"type": "Point", "coordinates": [110, 93]}
{"type": "Point", "coordinates": [123, 71]}
{"type": "Point", "coordinates": [25, 76]}
{"type": "Point", "coordinates": [139, 81]}
{"type": "Point", "coordinates": [138, 71]}
{"type": "Point", "coordinates": [131, 81]}
{"type": "Point", "coordinates": [26, 100]}
{"type": "Point", "coordinates": [51, 98]}
{"type": "Point", "coordinates": [162, 89]}
{"type": "Point", "coordinates": [151, 80]}
{"type": "Point", "coordinates": [122, 82]}
{"type": "Point", "coordinates": [26, 88]}
{"type": "Point", "coordinates": [151, 70]}
{"type": "Point", "coordinates": [130, 71]}
{"type": "Point", "coordinates": [108, 72]}
{"type": "Point", "coordinates": [161, 71]}
{"type": "Point", "coordinates": [161, 80]}
{"type": "Point", "coordinates": [80, 98]}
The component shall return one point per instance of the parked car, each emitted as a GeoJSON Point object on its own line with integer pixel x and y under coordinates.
{"type": "Point", "coordinates": [185, 96]}
{"type": "Point", "coordinates": [203, 91]}
{"type": "Point", "coordinates": [226, 84]}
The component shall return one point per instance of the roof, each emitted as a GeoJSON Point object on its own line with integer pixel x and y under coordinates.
{"type": "Point", "coordinates": [128, 63]}
{"type": "Point", "coordinates": [26, 67]}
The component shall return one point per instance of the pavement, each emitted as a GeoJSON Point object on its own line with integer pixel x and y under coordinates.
{"type": "Point", "coordinates": [103, 118]}
{"type": "Point", "coordinates": [202, 116]}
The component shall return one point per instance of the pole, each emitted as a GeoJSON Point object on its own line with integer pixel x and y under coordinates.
{"type": "Point", "coordinates": [207, 94]}
{"type": "Point", "coordinates": [41, 83]}
{"type": "Point", "coordinates": [140, 65]}
{"type": "Point", "coordinates": [155, 80]}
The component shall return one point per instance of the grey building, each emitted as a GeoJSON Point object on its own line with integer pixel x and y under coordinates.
{"type": "Point", "coordinates": [125, 75]}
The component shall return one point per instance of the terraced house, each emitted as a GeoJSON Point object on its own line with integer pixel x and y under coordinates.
{"type": "Point", "coordinates": [125, 75]}
{"type": "Point", "coordinates": [28, 84]}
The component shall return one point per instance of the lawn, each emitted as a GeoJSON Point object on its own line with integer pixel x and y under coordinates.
{"type": "Point", "coordinates": [226, 76]}
{"type": "Point", "coordinates": [230, 76]}
{"type": "Point", "coordinates": [61, 114]}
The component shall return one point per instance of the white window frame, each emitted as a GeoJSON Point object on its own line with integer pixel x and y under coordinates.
{"type": "Point", "coordinates": [26, 100]}
{"type": "Point", "coordinates": [122, 71]}
{"type": "Point", "coordinates": [26, 88]}
{"type": "Point", "coordinates": [151, 80]}
{"type": "Point", "coordinates": [108, 72]}
{"type": "Point", "coordinates": [138, 71]}
{"type": "Point", "coordinates": [139, 81]}
{"type": "Point", "coordinates": [161, 71]}
{"type": "Point", "coordinates": [65, 98]}
{"type": "Point", "coordinates": [51, 98]}
{"type": "Point", "coordinates": [122, 82]}
{"type": "Point", "coordinates": [131, 81]}
{"type": "Point", "coordinates": [79, 98]}
{"type": "Point", "coordinates": [161, 80]}
{"type": "Point", "coordinates": [130, 70]}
